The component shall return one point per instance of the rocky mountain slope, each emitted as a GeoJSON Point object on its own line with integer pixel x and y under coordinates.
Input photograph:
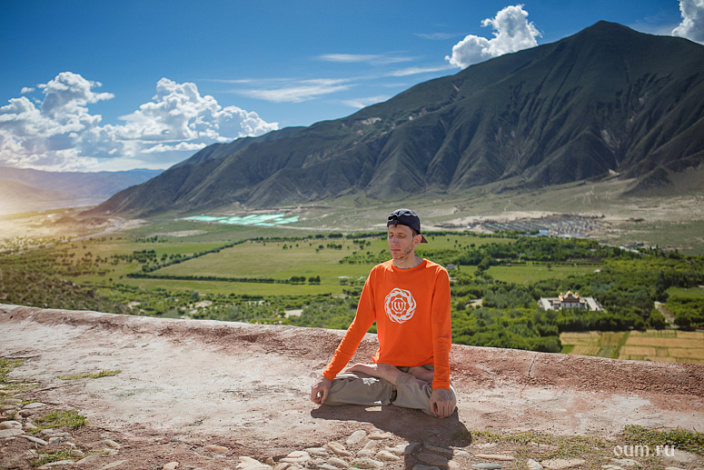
{"type": "Point", "coordinates": [607, 101]}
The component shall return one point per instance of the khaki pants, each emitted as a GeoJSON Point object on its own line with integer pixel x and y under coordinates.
{"type": "Point", "coordinates": [357, 388]}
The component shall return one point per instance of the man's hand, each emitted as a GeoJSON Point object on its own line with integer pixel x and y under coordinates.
{"type": "Point", "coordinates": [319, 392]}
{"type": "Point", "coordinates": [442, 402]}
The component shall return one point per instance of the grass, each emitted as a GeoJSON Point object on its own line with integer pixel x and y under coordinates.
{"type": "Point", "coordinates": [680, 439]}
{"type": "Point", "coordinates": [64, 454]}
{"type": "Point", "coordinates": [542, 446]}
{"type": "Point", "coordinates": [597, 452]}
{"type": "Point", "coordinates": [6, 367]}
{"type": "Point", "coordinates": [60, 419]}
{"type": "Point", "coordinates": [97, 375]}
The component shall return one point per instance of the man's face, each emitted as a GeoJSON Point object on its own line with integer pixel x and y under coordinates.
{"type": "Point", "coordinates": [402, 243]}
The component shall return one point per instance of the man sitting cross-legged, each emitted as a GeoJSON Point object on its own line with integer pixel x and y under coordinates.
{"type": "Point", "coordinates": [409, 298]}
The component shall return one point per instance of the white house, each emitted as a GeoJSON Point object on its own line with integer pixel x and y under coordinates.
{"type": "Point", "coordinates": [569, 300]}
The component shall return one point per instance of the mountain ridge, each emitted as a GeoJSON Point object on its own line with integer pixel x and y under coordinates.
{"type": "Point", "coordinates": [24, 189]}
{"type": "Point", "coordinates": [606, 101]}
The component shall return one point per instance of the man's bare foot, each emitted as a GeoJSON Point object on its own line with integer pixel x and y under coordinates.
{"type": "Point", "coordinates": [421, 373]}
{"type": "Point", "coordinates": [383, 371]}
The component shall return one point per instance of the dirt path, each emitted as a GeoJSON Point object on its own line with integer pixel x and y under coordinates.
{"type": "Point", "coordinates": [246, 386]}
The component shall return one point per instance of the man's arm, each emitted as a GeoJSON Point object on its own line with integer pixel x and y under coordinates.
{"type": "Point", "coordinates": [441, 330]}
{"type": "Point", "coordinates": [363, 319]}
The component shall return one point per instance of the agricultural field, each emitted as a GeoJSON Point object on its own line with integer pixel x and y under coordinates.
{"type": "Point", "coordinates": [305, 277]}
{"type": "Point", "coordinates": [650, 345]}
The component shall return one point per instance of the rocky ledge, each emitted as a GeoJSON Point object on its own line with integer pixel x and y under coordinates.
{"type": "Point", "coordinates": [166, 394]}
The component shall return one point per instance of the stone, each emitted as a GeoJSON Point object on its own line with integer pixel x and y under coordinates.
{"type": "Point", "coordinates": [58, 463]}
{"type": "Point", "coordinates": [56, 440]}
{"type": "Point", "coordinates": [317, 451]}
{"type": "Point", "coordinates": [170, 466]}
{"type": "Point", "coordinates": [217, 449]}
{"type": "Point", "coordinates": [339, 449]}
{"type": "Point", "coordinates": [397, 450]}
{"type": "Point", "coordinates": [559, 464]}
{"type": "Point", "coordinates": [386, 456]}
{"type": "Point", "coordinates": [112, 465]}
{"type": "Point", "coordinates": [452, 465]}
{"type": "Point", "coordinates": [29, 426]}
{"type": "Point", "coordinates": [337, 463]}
{"type": "Point", "coordinates": [10, 432]}
{"type": "Point", "coordinates": [89, 461]}
{"type": "Point", "coordinates": [33, 406]}
{"type": "Point", "coordinates": [378, 435]}
{"type": "Point", "coordinates": [487, 466]}
{"type": "Point", "coordinates": [502, 457]}
{"type": "Point", "coordinates": [366, 462]}
{"type": "Point", "coordinates": [356, 438]}
{"type": "Point", "coordinates": [36, 440]}
{"type": "Point", "coordinates": [626, 463]}
{"type": "Point", "coordinates": [486, 445]}
{"type": "Point", "coordinates": [368, 450]}
{"type": "Point", "coordinates": [439, 450]}
{"type": "Point", "coordinates": [674, 468]}
{"type": "Point", "coordinates": [248, 463]}
{"type": "Point", "coordinates": [297, 456]}
{"type": "Point", "coordinates": [10, 425]}
{"type": "Point", "coordinates": [533, 465]}
{"type": "Point", "coordinates": [111, 444]}
{"type": "Point", "coordinates": [431, 458]}
{"type": "Point", "coordinates": [419, 466]}
{"type": "Point", "coordinates": [680, 456]}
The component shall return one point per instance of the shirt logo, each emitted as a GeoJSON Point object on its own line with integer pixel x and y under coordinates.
{"type": "Point", "coordinates": [400, 305]}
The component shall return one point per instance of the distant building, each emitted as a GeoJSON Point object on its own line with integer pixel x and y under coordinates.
{"type": "Point", "coordinates": [569, 300]}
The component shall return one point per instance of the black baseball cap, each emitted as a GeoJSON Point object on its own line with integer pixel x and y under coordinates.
{"type": "Point", "coordinates": [408, 218]}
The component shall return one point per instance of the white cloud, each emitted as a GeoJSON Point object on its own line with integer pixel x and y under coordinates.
{"type": "Point", "coordinates": [512, 32]}
{"type": "Point", "coordinates": [374, 59]}
{"type": "Point", "coordinates": [61, 134]}
{"type": "Point", "coordinates": [692, 26]}
{"type": "Point", "coordinates": [27, 89]}
{"type": "Point", "coordinates": [360, 103]}
{"type": "Point", "coordinates": [417, 70]}
{"type": "Point", "coordinates": [437, 36]}
{"type": "Point", "coordinates": [303, 90]}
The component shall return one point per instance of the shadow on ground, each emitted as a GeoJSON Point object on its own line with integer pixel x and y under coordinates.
{"type": "Point", "coordinates": [442, 436]}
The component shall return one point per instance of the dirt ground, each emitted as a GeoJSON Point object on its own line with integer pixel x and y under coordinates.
{"type": "Point", "coordinates": [185, 384]}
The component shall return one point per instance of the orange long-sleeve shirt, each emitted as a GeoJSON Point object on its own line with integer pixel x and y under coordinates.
{"type": "Point", "coordinates": [411, 308]}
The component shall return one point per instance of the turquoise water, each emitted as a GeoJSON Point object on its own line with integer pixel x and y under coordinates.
{"type": "Point", "coordinates": [261, 220]}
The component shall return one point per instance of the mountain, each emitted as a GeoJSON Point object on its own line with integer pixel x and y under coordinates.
{"type": "Point", "coordinates": [39, 190]}
{"type": "Point", "coordinates": [606, 101]}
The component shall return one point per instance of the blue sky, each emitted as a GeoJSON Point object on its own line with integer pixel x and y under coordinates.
{"type": "Point", "coordinates": [115, 85]}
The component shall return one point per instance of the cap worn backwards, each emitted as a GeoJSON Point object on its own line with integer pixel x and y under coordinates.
{"type": "Point", "coordinates": [408, 218]}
